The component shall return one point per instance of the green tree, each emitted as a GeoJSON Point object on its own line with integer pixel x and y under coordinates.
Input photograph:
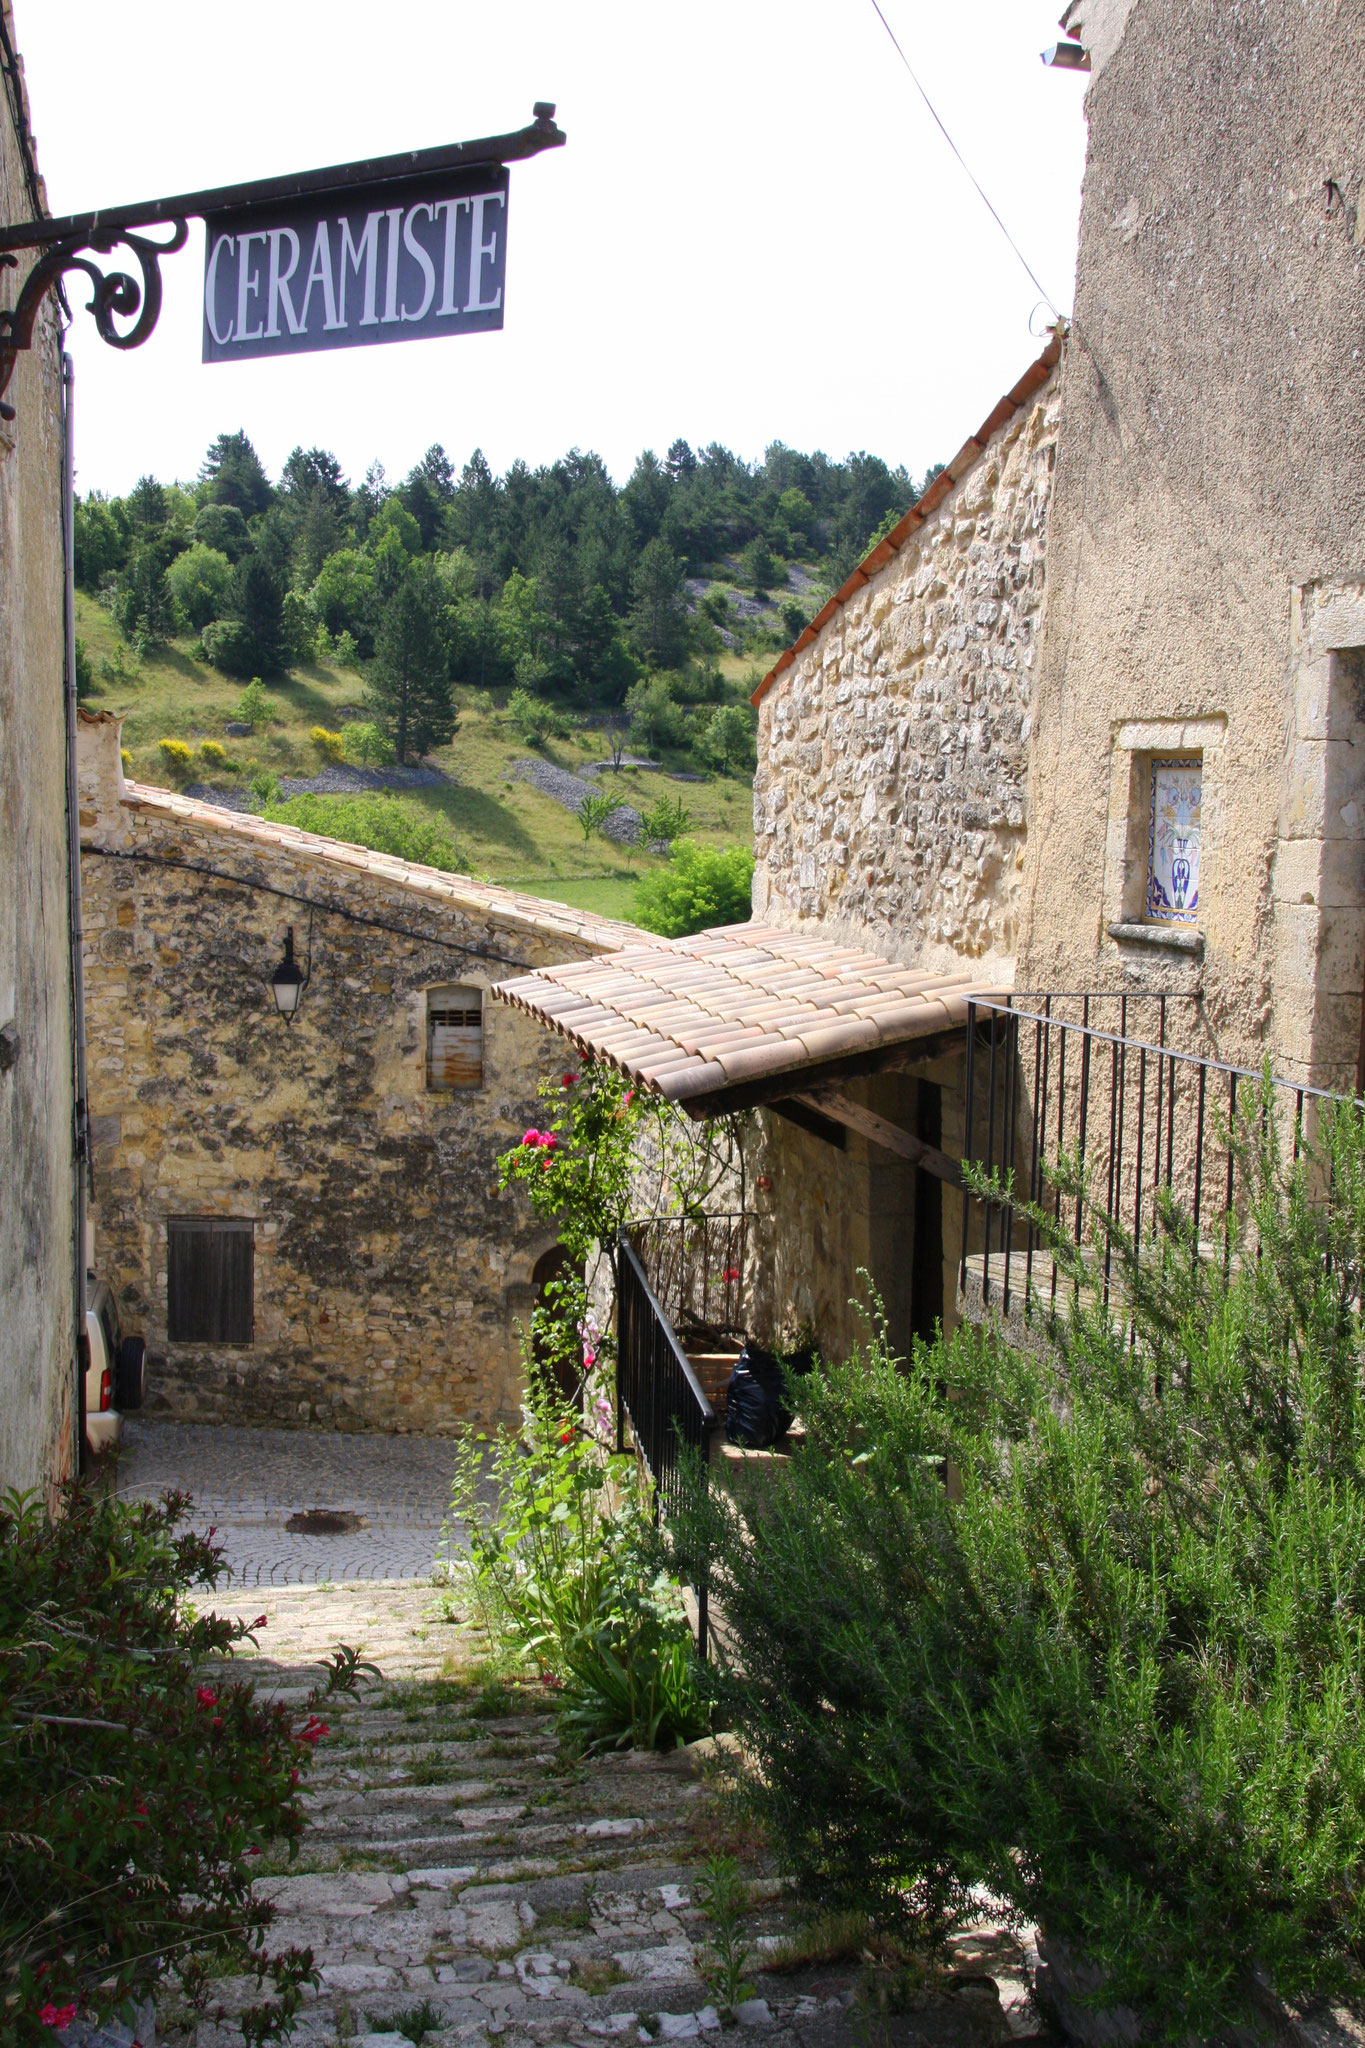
{"type": "Point", "coordinates": [311, 470]}
{"type": "Point", "coordinates": [702, 886]}
{"type": "Point", "coordinates": [409, 693]}
{"type": "Point", "coordinates": [235, 476]}
{"type": "Point", "coordinates": [318, 536]}
{"type": "Point", "coordinates": [343, 592]}
{"type": "Point", "coordinates": [594, 812]}
{"type": "Point", "coordinates": [256, 599]}
{"type": "Point", "coordinates": [658, 619]}
{"type": "Point", "coordinates": [223, 527]}
{"type": "Point", "coordinates": [101, 538]}
{"type": "Point", "coordinates": [142, 601]}
{"type": "Point", "coordinates": [199, 582]}
{"type": "Point", "coordinates": [655, 713]}
{"type": "Point", "coordinates": [757, 567]}
{"type": "Point", "coordinates": [729, 739]}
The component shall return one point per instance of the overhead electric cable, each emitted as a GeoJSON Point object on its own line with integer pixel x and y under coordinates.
{"type": "Point", "coordinates": [1031, 272]}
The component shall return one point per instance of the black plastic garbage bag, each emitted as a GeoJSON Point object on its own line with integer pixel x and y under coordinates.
{"type": "Point", "coordinates": [756, 1411]}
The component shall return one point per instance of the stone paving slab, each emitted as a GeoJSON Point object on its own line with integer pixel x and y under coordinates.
{"type": "Point", "coordinates": [248, 1483]}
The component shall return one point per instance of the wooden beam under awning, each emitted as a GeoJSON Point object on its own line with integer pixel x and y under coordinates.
{"type": "Point", "coordinates": [841, 1109]}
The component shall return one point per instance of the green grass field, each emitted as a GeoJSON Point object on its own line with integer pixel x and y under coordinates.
{"type": "Point", "coordinates": [508, 831]}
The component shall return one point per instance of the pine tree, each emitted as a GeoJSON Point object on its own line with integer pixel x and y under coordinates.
{"type": "Point", "coordinates": [258, 601]}
{"type": "Point", "coordinates": [409, 693]}
{"type": "Point", "coordinates": [235, 475]}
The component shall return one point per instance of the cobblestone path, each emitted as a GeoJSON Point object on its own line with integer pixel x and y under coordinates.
{"type": "Point", "coordinates": [461, 1882]}
{"type": "Point", "coordinates": [249, 1483]}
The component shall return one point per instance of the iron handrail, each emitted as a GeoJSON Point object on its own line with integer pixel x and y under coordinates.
{"type": "Point", "coordinates": [1006, 1007]}
{"type": "Point", "coordinates": [659, 1395]}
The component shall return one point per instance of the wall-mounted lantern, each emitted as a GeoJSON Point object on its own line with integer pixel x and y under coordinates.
{"type": "Point", "coordinates": [289, 980]}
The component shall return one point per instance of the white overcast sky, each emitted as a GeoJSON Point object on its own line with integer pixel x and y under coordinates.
{"type": "Point", "coordinates": [755, 231]}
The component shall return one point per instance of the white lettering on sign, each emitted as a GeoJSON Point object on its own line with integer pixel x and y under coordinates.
{"type": "Point", "coordinates": [423, 262]}
{"type": "Point", "coordinates": [320, 273]}
{"type": "Point", "coordinates": [277, 294]}
{"type": "Point", "coordinates": [220, 242]}
{"type": "Point", "coordinates": [451, 209]}
{"type": "Point", "coordinates": [482, 250]}
{"type": "Point", "coordinates": [369, 246]}
{"type": "Point", "coordinates": [246, 283]}
{"type": "Point", "coordinates": [418, 261]}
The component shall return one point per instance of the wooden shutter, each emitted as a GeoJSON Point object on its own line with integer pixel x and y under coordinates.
{"type": "Point", "coordinates": [209, 1280]}
{"type": "Point", "coordinates": [454, 1038]}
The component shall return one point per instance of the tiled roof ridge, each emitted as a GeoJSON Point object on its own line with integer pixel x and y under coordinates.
{"type": "Point", "coordinates": [690, 1018]}
{"type": "Point", "coordinates": [967, 457]}
{"type": "Point", "coordinates": [436, 884]}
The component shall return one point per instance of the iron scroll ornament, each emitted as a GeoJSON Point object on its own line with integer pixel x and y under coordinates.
{"type": "Point", "coordinates": [116, 296]}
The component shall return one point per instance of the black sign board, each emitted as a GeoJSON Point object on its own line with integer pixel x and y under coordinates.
{"type": "Point", "coordinates": [395, 262]}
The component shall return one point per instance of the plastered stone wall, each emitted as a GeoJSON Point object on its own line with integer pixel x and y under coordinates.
{"type": "Point", "coordinates": [37, 1209]}
{"type": "Point", "coordinates": [1208, 519]}
{"type": "Point", "coordinates": [890, 797]}
{"type": "Point", "coordinates": [390, 1270]}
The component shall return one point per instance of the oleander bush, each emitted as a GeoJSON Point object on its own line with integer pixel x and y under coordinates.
{"type": "Point", "coordinates": [1115, 1673]}
{"type": "Point", "coordinates": [134, 1794]}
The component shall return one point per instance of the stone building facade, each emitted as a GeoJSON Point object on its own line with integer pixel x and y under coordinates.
{"type": "Point", "coordinates": [889, 802]}
{"type": "Point", "coordinates": [37, 1215]}
{"type": "Point", "coordinates": [1127, 628]}
{"type": "Point", "coordinates": [304, 1218]}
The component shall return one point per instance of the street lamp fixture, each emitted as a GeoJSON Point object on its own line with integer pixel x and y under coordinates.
{"type": "Point", "coordinates": [289, 980]}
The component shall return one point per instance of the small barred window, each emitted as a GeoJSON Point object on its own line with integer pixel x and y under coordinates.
{"type": "Point", "coordinates": [454, 1038]}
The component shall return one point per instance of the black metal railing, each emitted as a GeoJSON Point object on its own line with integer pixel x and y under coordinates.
{"type": "Point", "coordinates": [1099, 1078]}
{"type": "Point", "coordinates": [695, 1265]}
{"type": "Point", "coordinates": [658, 1396]}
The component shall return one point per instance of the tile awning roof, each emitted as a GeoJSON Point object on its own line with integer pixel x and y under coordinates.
{"type": "Point", "coordinates": [694, 1018]}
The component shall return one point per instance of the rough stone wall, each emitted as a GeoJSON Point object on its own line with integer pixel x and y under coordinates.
{"type": "Point", "coordinates": [37, 1214]}
{"type": "Point", "coordinates": [390, 1271]}
{"type": "Point", "coordinates": [889, 802]}
{"type": "Point", "coordinates": [1210, 492]}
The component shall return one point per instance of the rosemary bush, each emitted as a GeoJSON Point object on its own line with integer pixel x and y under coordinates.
{"type": "Point", "coordinates": [1119, 1679]}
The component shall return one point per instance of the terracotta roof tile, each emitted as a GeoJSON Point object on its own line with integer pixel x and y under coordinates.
{"type": "Point", "coordinates": [688, 1017]}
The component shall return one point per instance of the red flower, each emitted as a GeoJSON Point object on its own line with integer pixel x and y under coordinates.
{"type": "Point", "coordinates": [57, 2015]}
{"type": "Point", "coordinates": [630, 1097]}
{"type": "Point", "coordinates": [730, 1273]}
{"type": "Point", "coordinates": [566, 1436]}
{"type": "Point", "coordinates": [312, 1729]}
{"type": "Point", "coordinates": [206, 1696]}
{"type": "Point", "coordinates": [532, 1138]}
{"type": "Point", "coordinates": [548, 1140]}
{"type": "Point", "coordinates": [261, 1621]}
{"type": "Point", "coordinates": [569, 1080]}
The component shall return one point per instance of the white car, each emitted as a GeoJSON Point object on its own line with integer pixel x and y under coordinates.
{"type": "Point", "coordinates": [114, 1373]}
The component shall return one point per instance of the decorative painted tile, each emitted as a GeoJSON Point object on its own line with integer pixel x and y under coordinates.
{"type": "Point", "coordinates": [1173, 842]}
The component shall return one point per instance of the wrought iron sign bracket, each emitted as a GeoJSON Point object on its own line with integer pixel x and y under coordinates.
{"type": "Point", "coordinates": [71, 242]}
{"type": "Point", "coordinates": [116, 295]}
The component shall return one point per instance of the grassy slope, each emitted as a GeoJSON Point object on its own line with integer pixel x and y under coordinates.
{"type": "Point", "coordinates": [510, 832]}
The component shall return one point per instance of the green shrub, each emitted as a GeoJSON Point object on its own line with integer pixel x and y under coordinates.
{"type": "Point", "coordinates": [667, 819]}
{"type": "Point", "coordinates": [176, 757]}
{"type": "Point", "coordinates": [1119, 1680]}
{"type": "Point", "coordinates": [85, 674]}
{"type": "Point", "coordinates": [199, 580]}
{"type": "Point", "coordinates": [230, 645]}
{"type": "Point", "coordinates": [655, 714]}
{"type": "Point", "coordinates": [594, 812]}
{"type": "Point", "coordinates": [534, 719]}
{"type": "Point", "coordinates": [134, 1795]}
{"type": "Point", "coordinates": [383, 822]}
{"type": "Point", "coordinates": [254, 707]}
{"type": "Point", "coordinates": [701, 886]}
{"type": "Point", "coordinates": [365, 746]}
{"type": "Point", "coordinates": [329, 744]}
{"type": "Point", "coordinates": [729, 740]}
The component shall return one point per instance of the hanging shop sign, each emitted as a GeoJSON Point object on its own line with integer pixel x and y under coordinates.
{"type": "Point", "coordinates": [390, 263]}
{"type": "Point", "coordinates": [384, 250]}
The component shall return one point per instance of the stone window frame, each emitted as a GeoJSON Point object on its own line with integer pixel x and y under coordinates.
{"type": "Point", "coordinates": [430, 1011]}
{"type": "Point", "coordinates": [1135, 745]}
